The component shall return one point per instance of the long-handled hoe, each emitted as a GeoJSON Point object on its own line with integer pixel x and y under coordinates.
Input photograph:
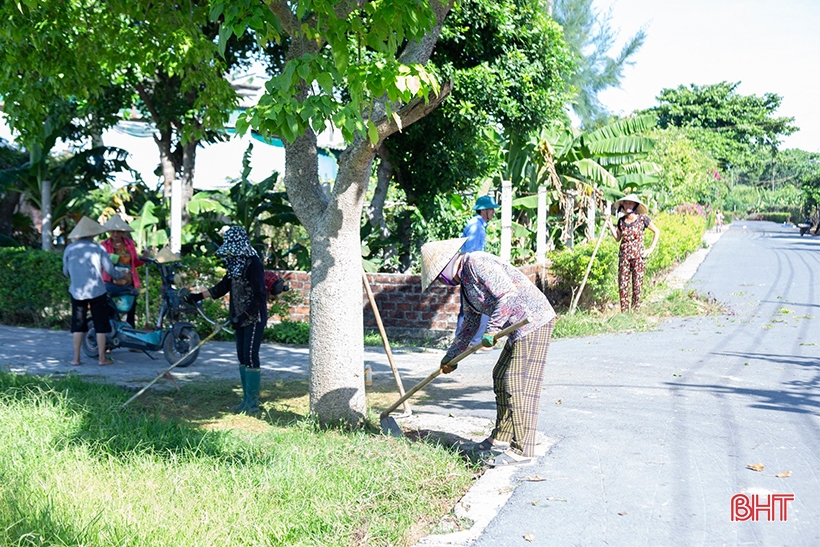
{"type": "Point", "coordinates": [389, 424]}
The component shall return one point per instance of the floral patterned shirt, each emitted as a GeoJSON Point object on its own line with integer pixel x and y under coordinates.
{"type": "Point", "coordinates": [495, 288]}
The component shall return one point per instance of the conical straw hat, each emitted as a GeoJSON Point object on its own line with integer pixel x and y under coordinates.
{"type": "Point", "coordinates": [434, 257]}
{"type": "Point", "coordinates": [117, 224]}
{"type": "Point", "coordinates": [640, 209]}
{"type": "Point", "coordinates": [166, 255]}
{"type": "Point", "coordinates": [86, 228]}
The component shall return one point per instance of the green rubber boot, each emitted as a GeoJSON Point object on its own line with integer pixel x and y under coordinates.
{"type": "Point", "coordinates": [253, 377]}
{"type": "Point", "coordinates": [243, 377]}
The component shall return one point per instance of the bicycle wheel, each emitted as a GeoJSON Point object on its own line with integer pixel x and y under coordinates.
{"type": "Point", "coordinates": [90, 347]}
{"type": "Point", "coordinates": [176, 348]}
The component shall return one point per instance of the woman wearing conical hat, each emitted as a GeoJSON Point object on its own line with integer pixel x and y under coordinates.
{"type": "Point", "coordinates": [632, 254]}
{"type": "Point", "coordinates": [127, 259]}
{"type": "Point", "coordinates": [83, 262]}
{"type": "Point", "coordinates": [493, 287]}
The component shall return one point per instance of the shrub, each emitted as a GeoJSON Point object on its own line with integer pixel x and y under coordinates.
{"type": "Point", "coordinates": [33, 289]}
{"type": "Point", "coordinates": [778, 217]}
{"type": "Point", "coordinates": [569, 265]}
{"type": "Point", "coordinates": [289, 332]}
{"type": "Point", "coordinates": [681, 235]}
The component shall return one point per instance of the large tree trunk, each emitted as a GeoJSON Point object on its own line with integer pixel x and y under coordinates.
{"type": "Point", "coordinates": [336, 381]}
{"type": "Point", "coordinates": [336, 320]}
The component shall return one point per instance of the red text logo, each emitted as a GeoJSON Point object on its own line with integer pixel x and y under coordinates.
{"type": "Point", "coordinates": [753, 507]}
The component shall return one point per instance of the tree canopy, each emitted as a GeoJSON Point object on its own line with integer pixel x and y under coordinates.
{"type": "Point", "coordinates": [506, 60]}
{"type": "Point", "coordinates": [735, 127]}
{"type": "Point", "coordinates": [590, 38]}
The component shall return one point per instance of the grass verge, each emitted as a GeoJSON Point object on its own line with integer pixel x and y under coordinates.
{"type": "Point", "coordinates": [660, 304]}
{"type": "Point", "coordinates": [76, 470]}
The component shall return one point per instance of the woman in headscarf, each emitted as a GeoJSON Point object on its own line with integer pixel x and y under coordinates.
{"type": "Point", "coordinates": [632, 254]}
{"type": "Point", "coordinates": [493, 287]}
{"type": "Point", "coordinates": [245, 280]}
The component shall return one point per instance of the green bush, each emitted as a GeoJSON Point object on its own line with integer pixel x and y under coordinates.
{"type": "Point", "coordinates": [681, 235]}
{"type": "Point", "coordinates": [33, 289]}
{"type": "Point", "coordinates": [289, 332]}
{"type": "Point", "coordinates": [42, 300]}
{"type": "Point", "coordinates": [778, 217]}
{"type": "Point", "coordinates": [569, 265]}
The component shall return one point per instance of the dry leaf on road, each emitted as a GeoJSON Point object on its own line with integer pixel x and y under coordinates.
{"type": "Point", "coordinates": [755, 467]}
{"type": "Point", "coordinates": [536, 478]}
{"type": "Point", "coordinates": [784, 474]}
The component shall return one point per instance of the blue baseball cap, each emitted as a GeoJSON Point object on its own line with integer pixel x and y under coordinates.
{"type": "Point", "coordinates": [485, 202]}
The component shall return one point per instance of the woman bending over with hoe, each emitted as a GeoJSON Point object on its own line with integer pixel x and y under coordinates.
{"type": "Point", "coordinates": [632, 254]}
{"type": "Point", "coordinates": [494, 288]}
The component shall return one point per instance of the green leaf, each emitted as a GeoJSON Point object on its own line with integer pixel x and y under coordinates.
{"type": "Point", "coordinates": [595, 173]}
{"type": "Point", "coordinates": [325, 82]}
{"type": "Point", "coordinates": [622, 128]}
{"type": "Point", "coordinates": [224, 35]}
{"type": "Point", "coordinates": [372, 133]}
{"type": "Point", "coordinates": [528, 202]}
{"type": "Point", "coordinates": [621, 145]}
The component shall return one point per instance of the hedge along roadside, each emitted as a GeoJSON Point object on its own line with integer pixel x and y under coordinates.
{"type": "Point", "coordinates": [34, 293]}
{"type": "Point", "coordinates": [681, 234]}
{"type": "Point", "coordinates": [33, 289]}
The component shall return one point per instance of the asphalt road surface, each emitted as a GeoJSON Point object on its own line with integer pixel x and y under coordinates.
{"type": "Point", "coordinates": [655, 431]}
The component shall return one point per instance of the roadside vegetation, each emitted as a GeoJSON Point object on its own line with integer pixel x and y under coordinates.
{"type": "Point", "coordinates": [77, 470]}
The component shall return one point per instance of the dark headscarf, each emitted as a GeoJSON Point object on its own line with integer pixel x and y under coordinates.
{"type": "Point", "coordinates": [235, 251]}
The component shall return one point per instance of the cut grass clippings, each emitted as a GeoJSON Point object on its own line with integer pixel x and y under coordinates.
{"type": "Point", "coordinates": [77, 470]}
{"type": "Point", "coordinates": [661, 304]}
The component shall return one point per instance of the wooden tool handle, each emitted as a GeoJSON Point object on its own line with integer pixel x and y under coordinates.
{"type": "Point", "coordinates": [459, 357]}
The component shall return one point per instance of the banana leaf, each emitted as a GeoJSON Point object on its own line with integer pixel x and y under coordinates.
{"type": "Point", "coordinates": [596, 174]}
{"type": "Point", "coordinates": [620, 145]}
{"type": "Point", "coordinates": [622, 128]}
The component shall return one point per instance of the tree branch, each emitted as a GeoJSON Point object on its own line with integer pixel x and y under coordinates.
{"type": "Point", "coordinates": [289, 21]}
{"type": "Point", "coordinates": [419, 51]}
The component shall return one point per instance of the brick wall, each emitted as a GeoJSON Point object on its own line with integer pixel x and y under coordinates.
{"type": "Point", "coordinates": [406, 311]}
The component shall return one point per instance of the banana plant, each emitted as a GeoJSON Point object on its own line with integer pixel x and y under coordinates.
{"type": "Point", "coordinates": [580, 168]}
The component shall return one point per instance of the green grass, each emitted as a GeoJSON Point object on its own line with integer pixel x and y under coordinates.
{"type": "Point", "coordinates": [660, 304]}
{"type": "Point", "coordinates": [373, 338]}
{"type": "Point", "coordinates": [76, 470]}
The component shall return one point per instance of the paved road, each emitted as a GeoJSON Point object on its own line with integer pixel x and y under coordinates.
{"type": "Point", "coordinates": [655, 430]}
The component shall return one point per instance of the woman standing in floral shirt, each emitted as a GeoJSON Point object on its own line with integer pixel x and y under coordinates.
{"type": "Point", "coordinates": [632, 254]}
{"type": "Point", "coordinates": [494, 288]}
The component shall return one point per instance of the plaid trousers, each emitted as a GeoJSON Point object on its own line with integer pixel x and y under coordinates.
{"type": "Point", "coordinates": [517, 379]}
